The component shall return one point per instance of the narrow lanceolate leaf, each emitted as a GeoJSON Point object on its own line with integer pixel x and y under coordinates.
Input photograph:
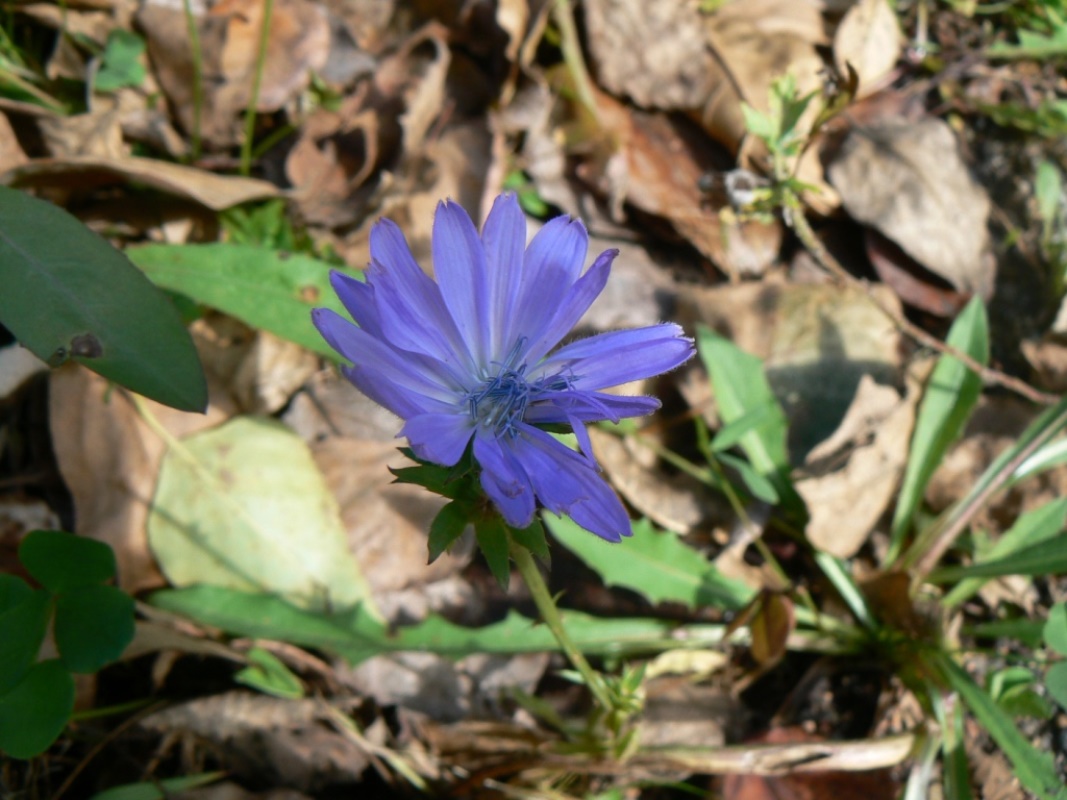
{"type": "Point", "coordinates": [741, 389]}
{"type": "Point", "coordinates": [1035, 770]}
{"type": "Point", "coordinates": [69, 295]}
{"type": "Point", "coordinates": [263, 288]}
{"type": "Point", "coordinates": [951, 393]}
{"type": "Point", "coordinates": [1030, 529]}
{"type": "Point", "coordinates": [1047, 558]}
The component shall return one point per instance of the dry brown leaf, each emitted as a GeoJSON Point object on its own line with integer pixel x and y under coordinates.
{"type": "Point", "coordinates": [863, 461]}
{"type": "Point", "coordinates": [868, 39]}
{"type": "Point", "coordinates": [270, 373]}
{"type": "Point", "coordinates": [812, 786]}
{"type": "Point", "coordinates": [910, 280]}
{"type": "Point", "coordinates": [419, 81]}
{"type": "Point", "coordinates": [96, 134]}
{"type": "Point", "coordinates": [908, 180]}
{"type": "Point", "coordinates": [386, 521]}
{"type": "Point", "coordinates": [654, 53]}
{"type": "Point", "coordinates": [335, 153]}
{"type": "Point", "coordinates": [298, 44]}
{"type": "Point", "coordinates": [354, 443]}
{"type": "Point", "coordinates": [1048, 357]}
{"type": "Point", "coordinates": [513, 16]}
{"type": "Point", "coordinates": [442, 688]}
{"type": "Point", "coordinates": [676, 502]}
{"type": "Point", "coordinates": [816, 341]}
{"type": "Point", "coordinates": [11, 153]}
{"type": "Point", "coordinates": [681, 713]}
{"type": "Point", "coordinates": [109, 459]}
{"type": "Point", "coordinates": [270, 741]}
{"type": "Point", "coordinates": [663, 161]}
{"type": "Point", "coordinates": [217, 192]}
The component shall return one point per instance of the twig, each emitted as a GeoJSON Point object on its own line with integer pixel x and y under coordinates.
{"type": "Point", "coordinates": [796, 219]}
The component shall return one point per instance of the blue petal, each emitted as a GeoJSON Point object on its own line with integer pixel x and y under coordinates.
{"type": "Point", "coordinates": [581, 406]}
{"type": "Point", "coordinates": [440, 438]}
{"type": "Point", "coordinates": [400, 400]}
{"type": "Point", "coordinates": [405, 294]}
{"type": "Point", "coordinates": [575, 302]}
{"type": "Point", "coordinates": [413, 327]}
{"type": "Point", "coordinates": [567, 483]}
{"type": "Point", "coordinates": [504, 479]}
{"type": "Point", "coordinates": [552, 264]}
{"type": "Point", "coordinates": [411, 371]}
{"type": "Point", "coordinates": [504, 239]}
{"type": "Point", "coordinates": [460, 266]}
{"type": "Point", "coordinates": [358, 299]}
{"type": "Point", "coordinates": [611, 359]}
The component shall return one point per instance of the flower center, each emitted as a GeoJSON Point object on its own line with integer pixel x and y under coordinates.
{"type": "Point", "coordinates": [501, 401]}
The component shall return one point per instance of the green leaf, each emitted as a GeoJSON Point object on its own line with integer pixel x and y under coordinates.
{"type": "Point", "coordinates": [94, 624]}
{"type": "Point", "coordinates": [532, 537]}
{"type": "Point", "coordinates": [759, 124]}
{"type": "Point", "coordinates": [730, 435]}
{"type": "Point", "coordinates": [657, 565]}
{"type": "Point", "coordinates": [1027, 631]}
{"type": "Point", "coordinates": [1056, 683]}
{"type": "Point", "coordinates": [35, 712]}
{"type": "Point", "coordinates": [492, 536]}
{"type": "Point", "coordinates": [1035, 770]}
{"type": "Point", "coordinates": [244, 505]}
{"type": "Point", "coordinates": [121, 62]}
{"type": "Point", "coordinates": [68, 294]}
{"type": "Point", "coordinates": [13, 590]}
{"type": "Point", "coordinates": [1054, 631]}
{"type": "Point", "coordinates": [951, 394]}
{"type": "Point", "coordinates": [447, 526]}
{"type": "Point", "coordinates": [1048, 190]}
{"type": "Point", "coordinates": [356, 636]}
{"type": "Point", "coordinates": [159, 790]}
{"type": "Point", "coordinates": [22, 629]}
{"type": "Point", "coordinates": [760, 486]}
{"type": "Point", "coordinates": [262, 288]}
{"type": "Point", "coordinates": [266, 673]}
{"type": "Point", "coordinates": [955, 779]}
{"type": "Point", "coordinates": [1047, 558]}
{"type": "Point", "coordinates": [1031, 528]}
{"type": "Point", "coordinates": [741, 388]}
{"type": "Point", "coordinates": [61, 561]}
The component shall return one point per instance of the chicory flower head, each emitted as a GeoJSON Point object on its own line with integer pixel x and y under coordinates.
{"type": "Point", "coordinates": [471, 356]}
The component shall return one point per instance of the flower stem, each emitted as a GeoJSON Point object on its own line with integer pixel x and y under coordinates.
{"type": "Point", "coordinates": [527, 567]}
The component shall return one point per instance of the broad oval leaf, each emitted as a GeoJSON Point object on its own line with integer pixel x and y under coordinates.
{"type": "Point", "coordinates": [94, 624]}
{"type": "Point", "coordinates": [35, 712]}
{"type": "Point", "coordinates": [244, 506]}
{"type": "Point", "coordinates": [22, 629]}
{"type": "Point", "coordinates": [61, 561]}
{"type": "Point", "coordinates": [69, 295]}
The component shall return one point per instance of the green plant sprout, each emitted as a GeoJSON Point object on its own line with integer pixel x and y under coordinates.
{"type": "Point", "coordinates": [92, 623]}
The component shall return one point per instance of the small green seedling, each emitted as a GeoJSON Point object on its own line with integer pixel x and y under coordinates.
{"type": "Point", "coordinates": [92, 624]}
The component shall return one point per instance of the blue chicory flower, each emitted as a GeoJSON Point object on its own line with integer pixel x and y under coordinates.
{"type": "Point", "coordinates": [471, 356]}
